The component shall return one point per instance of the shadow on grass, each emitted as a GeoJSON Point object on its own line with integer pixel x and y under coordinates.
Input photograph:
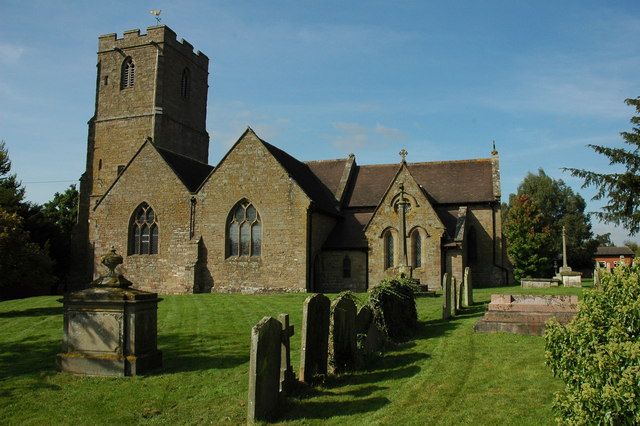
{"type": "Point", "coordinates": [33, 312]}
{"type": "Point", "coordinates": [28, 355]}
{"type": "Point", "coordinates": [327, 409]}
{"type": "Point", "coordinates": [185, 352]}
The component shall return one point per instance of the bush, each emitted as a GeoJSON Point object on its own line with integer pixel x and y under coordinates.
{"type": "Point", "coordinates": [597, 355]}
{"type": "Point", "coordinates": [394, 308]}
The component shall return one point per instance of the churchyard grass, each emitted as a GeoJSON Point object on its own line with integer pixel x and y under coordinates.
{"type": "Point", "coordinates": [446, 375]}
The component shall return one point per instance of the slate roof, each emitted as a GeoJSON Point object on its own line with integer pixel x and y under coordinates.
{"type": "Point", "coordinates": [614, 251]}
{"type": "Point", "coordinates": [311, 184]}
{"type": "Point", "coordinates": [191, 172]}
{"type": "Point", "coordinates": [444, 182]}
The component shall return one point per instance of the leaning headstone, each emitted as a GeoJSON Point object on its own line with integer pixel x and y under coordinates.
{"type": "Point", "coordinates": [110, 329]}
{"type": "Point", "coordinates": [264, 369]}
{"type": "Point", "coordinates": [315, 337]}
{"type": "Point", "coordinates": [342, 335]}
{"type": "Point", "coordinates": [287, 376]}
{"type": "Point", "coordinates": [453, 294]}
{"type": "Point", "coordinates": [467, 289]}
{"type": "Point", "coordinates": [446, 297]}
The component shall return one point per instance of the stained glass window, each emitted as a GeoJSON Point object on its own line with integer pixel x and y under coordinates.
{"type": "Point", "coordinates": [388, 250]}
{"type": "Point", "coordinates": [143, 231]}
{"type": "Point", "coordinates": [244, 231]}
{"type": "Point", "coordinates": [416, 249]}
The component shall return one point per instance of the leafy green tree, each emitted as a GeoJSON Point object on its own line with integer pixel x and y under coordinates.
{"type": "Point", "coordinates": [597, 355]}
{"type": "Point", "coordinates": [622, 190]}
{"type": "Point", "coordinates": [25, 268]}
{"type": "Point", "coordinates": [633, 246]}
{"type": "Point", "coordinates": [11, 191]}
{"type": "Point", "coordinates": [529, 239]}
{"type": "Point", "coordinates": [560, 206]}
{"type": "Point", "coordinates": [604, 240]}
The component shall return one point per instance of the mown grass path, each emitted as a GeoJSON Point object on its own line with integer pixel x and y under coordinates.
{"type": "Point", "coordinates": [446, 375]}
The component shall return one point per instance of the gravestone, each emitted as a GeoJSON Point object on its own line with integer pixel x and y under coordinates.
{"type": "Point", "coordinates": [110, 329]}
{"type": "Point", "coordinates": [468, 282]}
{"type": "Point", "coordinates": [596, 277]}
{"type": "Point", "coordinates": [365, 325]}
{"type": "Point", "coordinates": [453, 295]}
{"type": "Point", "coordinates": [264, 369]}
{"type": "Point", "coordinates": [287, 376]}
{"type": "Point", "coordinates": [342, 335]}
{"type": "Point", "coordinates": [458, 286]}
{"type": "Point", "coordinates": [315, 337]}
{"type": "Point", "coordinates": [446, 297]}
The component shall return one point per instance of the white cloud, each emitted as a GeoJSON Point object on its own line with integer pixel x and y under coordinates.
{"type": "Point", "coordinates": [353, 137]}
{"type": "Point", "coordinates": [10, 53]}
{"type": "Point", "coordinates": [389, 132]}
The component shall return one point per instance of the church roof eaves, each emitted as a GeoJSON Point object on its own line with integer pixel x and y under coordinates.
{"type": "Point", "coordinates": [191, 172]}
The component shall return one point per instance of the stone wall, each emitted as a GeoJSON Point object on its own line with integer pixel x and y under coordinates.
{"type": "Point", "coordinates": [250, 172]}
{"type": "Point", "coordinates": [329, 271]}
{"type": "Point", "coordinates": [148, 179]}
{"type": "Point", "coordinates": [420, 215]}
{"type": "Point", "coordinates": [321, 227]}
{"type": "Point", "coordinates": [486, 222]}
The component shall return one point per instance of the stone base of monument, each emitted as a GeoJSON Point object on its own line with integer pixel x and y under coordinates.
{"type": "Point", "coordinates": [571, 278]}
{"type": "Point", "coordinates": [538, 282]}
{"type": "Point", "coordinates": [525, 314]}
{"type": "Point", "coordinates": [110, 331]}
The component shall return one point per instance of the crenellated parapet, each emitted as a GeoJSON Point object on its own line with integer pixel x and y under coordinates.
{"type": "Point", "coordinates": [159, 35]}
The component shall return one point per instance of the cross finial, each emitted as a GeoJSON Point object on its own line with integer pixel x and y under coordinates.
{"type": "Point", "coordinates": [494, 151]}
{"type": "Point", "coordinates": [403, 155]}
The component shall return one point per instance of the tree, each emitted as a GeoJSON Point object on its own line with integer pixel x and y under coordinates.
{"type": "Point", "coordinates": [11, 191]}
{"type": "Point", "coordinates": [560, 206]}
{"type": "Point", "coordinates": [633, 246]}
{"type": "Point", "coordinates": [597, 355]}
{"type": "Point", "coordinates": [529, 238]}
{"type": "Point", "coordinates": [621, 189]}
{"type": "Point", "coordinates": [604, 240]}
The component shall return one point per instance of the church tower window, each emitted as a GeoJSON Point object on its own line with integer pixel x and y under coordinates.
{"type": "Point", "coordinates": [185, 84]}
{"type": "Point", "coordinates": [143, 231]}
{"type": "Point", "coordinates": [128, 73]}
{"type": "Point", "coordinates": [244, 231]}
{"type": "Point", "coordinates": [416, 249]}
{"type": "Point", "coordinates": [388, 250]}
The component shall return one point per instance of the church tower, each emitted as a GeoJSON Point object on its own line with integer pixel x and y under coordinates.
{"type": "Point", "coordinates": [147, 86]}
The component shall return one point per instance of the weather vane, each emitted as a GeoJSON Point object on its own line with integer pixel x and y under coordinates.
{"type": "Point", "coordinates": [156, 13]}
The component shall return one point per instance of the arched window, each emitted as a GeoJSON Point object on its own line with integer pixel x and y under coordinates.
{"type": "Point", "coordinates": [388, 250]}
{"type": "Point", "coordinates": [185, 84]}
{"type": "Point", "coordinates": [143, 231]}
{"type": "Point", "coordinates": [244, 231]}
{"type": "Point", "coordinates": [416, 249]}
{"type": "Point", "coordinates": [346, 267]}
{"type": "Point", "coordinates": [128, 73]}
{"type": "Point", "coordinates": [472, 246]}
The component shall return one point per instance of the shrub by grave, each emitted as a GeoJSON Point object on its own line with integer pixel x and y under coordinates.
{"type": "Point", "coordinates": [394, 308]}
{"type": "Point", "coordinates": [597, 355]}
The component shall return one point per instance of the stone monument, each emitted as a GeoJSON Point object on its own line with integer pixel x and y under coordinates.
{"type": "Point", "coordinates": [569, 278]}
{"type": "Point", "coordinates": [109, 328]}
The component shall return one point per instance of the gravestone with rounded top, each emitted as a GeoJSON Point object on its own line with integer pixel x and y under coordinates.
{"type": "Point", "coordinates": [342, 335]}
{"type": "Point", "coordinates": [315, 337]}
{"type": "Point", "coordinates": [446, 296]}
{"type": "Point", "coordinates": [110, 329]}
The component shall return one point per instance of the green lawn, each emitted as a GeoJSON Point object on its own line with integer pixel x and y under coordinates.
{"type": "Point", "coordinates": [447, 375]}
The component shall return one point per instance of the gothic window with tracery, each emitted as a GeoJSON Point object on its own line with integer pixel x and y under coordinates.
{"type": "Point", "coordinates": [143, 231]}
{"type": "Point", "coordinates": [244, 231]}
{"type": "Point", "coordinates": [128, 73]}
{"type": "Point", "coordinates": [388, 250]}
{"type": "Point", "coordinates": [416, 249]}
{"type": "Point", "coordinates": [185, 84]}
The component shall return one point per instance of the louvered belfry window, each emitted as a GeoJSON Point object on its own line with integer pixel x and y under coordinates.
{"type": "Point", "coordinates": [143, 231]}
{"type": "Point", "coordinates": [185, 84]}
{"type": "Point", "coordinates": [244, 231]}
{"type": "Point", "coordinates": [128, 73]}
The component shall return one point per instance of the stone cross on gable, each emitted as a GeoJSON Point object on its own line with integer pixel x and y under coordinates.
{"type": "Point", "coordinates": [403, 155]}
{"type": "Point", "coordinates": [287, 376]}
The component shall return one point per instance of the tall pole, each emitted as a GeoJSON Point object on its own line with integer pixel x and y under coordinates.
{"type": "Point", "coordinates": [564, 247]}
{"type": "Point", "coordinates": [402, 205]}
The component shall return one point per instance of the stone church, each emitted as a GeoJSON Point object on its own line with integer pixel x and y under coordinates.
{"type": "Point", "coordinates": [261, 220]}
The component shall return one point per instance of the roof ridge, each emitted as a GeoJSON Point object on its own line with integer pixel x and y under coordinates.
{"type": "Point", "coordinates": [326, 161]}
{"type": "Point", "coordinates": [417, 163]}
{"type": "Point", "coordinates": [160, 148]}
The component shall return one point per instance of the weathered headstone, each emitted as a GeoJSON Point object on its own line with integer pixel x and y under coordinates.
{"type": "Point", "coordinates": [287, 376]}
{"type": "Point", "coordinates": [453, 295]}
{"type": "Point", "coordinates": [467, 289]}
{"type": "Point", "coordinates": [596, 277]}
{"type": "Point", "coordinates": [458, 286]}
{"type": "Point", "coordinates": [315, 337]}
{"type": "Point", "coordinates": [366, 326]}
{"type": "Point", "coordinates": [363, 319]}
{"type": "Point", "coordinates": [446, 297]}
{"type": "Point", "coordinates": [342, 335]}
{"type": "Point", "coordinates": [264, 369]}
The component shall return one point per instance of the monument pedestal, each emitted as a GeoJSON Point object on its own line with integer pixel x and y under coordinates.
{"type": "Point", "coordinates": [110, 331]}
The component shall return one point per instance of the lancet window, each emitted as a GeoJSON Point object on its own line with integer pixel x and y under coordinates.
{"type": "Point", "coordinates": [244, 231]}
{"type": "Point", "coordinates": [143, 231]}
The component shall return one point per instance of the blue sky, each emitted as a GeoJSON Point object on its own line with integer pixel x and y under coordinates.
{"type": "Point", "coordinates": [324, 79]}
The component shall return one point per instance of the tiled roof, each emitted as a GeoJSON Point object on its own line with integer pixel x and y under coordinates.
{"type": "Point", "coordinates": [445, 182]}
{"type": "Point", "coordinates": [191, 172]}
{"type": "Point", "coordinates": [349, 231]}
{"type": "Point", "coordinates": [614, 251]}
{"type": "Point", "coordinates": [329, 172]}
{"type": "Point", "coordinates": [308, 181]}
